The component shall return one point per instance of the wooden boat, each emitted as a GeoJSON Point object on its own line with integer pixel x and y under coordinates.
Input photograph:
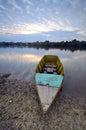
{"type": "Point", "coordinates": [49, 77]}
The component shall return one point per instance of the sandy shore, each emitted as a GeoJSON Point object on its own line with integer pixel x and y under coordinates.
{"type": "Point", "coordinates": [20, 109]}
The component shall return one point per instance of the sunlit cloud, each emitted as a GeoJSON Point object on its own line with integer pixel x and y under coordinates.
{"type": "Point", "coordinates": [34, 28]}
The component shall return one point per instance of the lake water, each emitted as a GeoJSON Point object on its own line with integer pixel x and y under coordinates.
{"type": "Point", "coordinates": [21, 63]}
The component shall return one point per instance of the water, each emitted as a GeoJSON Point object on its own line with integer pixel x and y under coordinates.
{"type": "Point", "coordinates": [21, 63]}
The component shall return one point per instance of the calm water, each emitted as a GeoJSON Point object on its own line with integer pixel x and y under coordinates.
{"type": "Point", "coordinates": [21, 63]}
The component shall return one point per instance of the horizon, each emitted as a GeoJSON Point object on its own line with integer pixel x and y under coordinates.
{"type": "Point", "coordinates": [46, 20]}
{"type": "Point", "coordinates": [73, 40]}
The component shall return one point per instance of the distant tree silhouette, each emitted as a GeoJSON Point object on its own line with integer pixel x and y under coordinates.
{"type": "Point", "coordinates": [71, 45]}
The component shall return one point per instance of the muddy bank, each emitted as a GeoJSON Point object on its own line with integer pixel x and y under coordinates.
{"type": "Point", "coordinates": [20, 109]}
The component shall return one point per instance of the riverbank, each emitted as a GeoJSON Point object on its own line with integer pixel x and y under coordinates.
{"type": "Point", "coordinates": [20, 108]}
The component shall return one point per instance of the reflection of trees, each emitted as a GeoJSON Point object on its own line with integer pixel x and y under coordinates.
{"type": "Point", "coordinates": [68, 45]}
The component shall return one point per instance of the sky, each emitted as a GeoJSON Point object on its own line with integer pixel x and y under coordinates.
{"type": "Point", "coordinates": [41, 20]}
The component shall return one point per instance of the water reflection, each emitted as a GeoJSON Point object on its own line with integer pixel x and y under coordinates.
{"type": "Point", "coordinates": [30, 57]}
{"type": "Point", "coordinates": [21, 62]}
{"type": "Point", "coordinates": [24, 57]}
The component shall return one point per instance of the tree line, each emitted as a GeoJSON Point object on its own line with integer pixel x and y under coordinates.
{"type": "Point", "coordinates": [71, 45]}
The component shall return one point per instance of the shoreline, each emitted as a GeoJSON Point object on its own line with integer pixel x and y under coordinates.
{"type": "Point", "coordinates": [20, 108]}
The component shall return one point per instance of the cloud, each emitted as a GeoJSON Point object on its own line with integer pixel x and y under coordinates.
{"type": "Point", "coordinates": [43, 17]}
{"type": "Point", "coordinates": [27, 2]}
{"type": "Point", "coordinates": [9, 17]}
{"type": "Point", "coordinates": [47, 35]}
{"type": "Point", "coordinates": [46, 1]}
{"type": "Point", "coordinates": [2, 7]}
{"type": "Point", "coordinates": [14, 4]}
{"type": "Point", "coordinates": [35, 28]}
{"type": "Point", "coordinates": [82, 32]}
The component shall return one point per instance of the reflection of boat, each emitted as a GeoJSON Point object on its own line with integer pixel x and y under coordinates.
{"type": "Point", "coordinates": [49, 77]}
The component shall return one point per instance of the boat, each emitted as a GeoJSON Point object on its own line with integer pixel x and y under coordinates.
{"type": "Point", "coordinates": [49, 77]}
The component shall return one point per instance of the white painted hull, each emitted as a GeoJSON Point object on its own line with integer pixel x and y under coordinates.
{"type": "Point", "coordinates": [47, 95]}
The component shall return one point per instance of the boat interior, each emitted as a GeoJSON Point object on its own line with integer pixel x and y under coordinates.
{"type": "Point", "coordinates": [51, 65]}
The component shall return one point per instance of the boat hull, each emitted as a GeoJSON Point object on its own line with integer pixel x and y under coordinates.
{"type": "Point", "coordinates": [49, 82]}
